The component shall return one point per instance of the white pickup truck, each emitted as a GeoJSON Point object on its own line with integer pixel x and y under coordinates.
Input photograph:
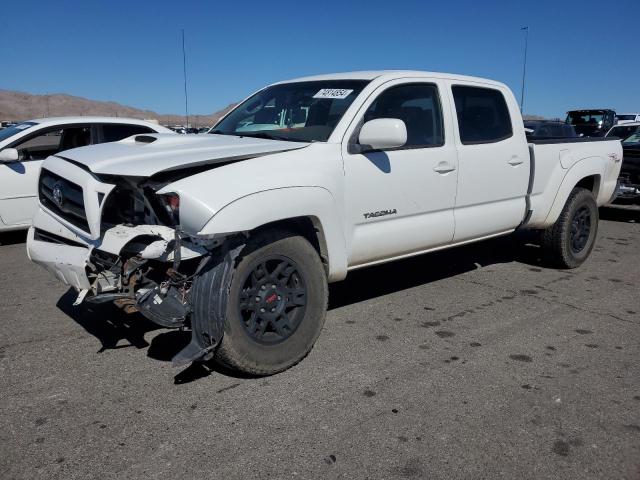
{"type": "Point", "coordinates": [237, 233]}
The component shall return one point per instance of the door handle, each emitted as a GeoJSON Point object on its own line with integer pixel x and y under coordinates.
{"type": "Point", "coordinates": [444, 167]}
{"type": "Point", "coordinates": [515, 161]}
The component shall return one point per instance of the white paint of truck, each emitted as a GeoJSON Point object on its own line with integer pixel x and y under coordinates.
{"type": "Point", "coordinates": [442, 196]}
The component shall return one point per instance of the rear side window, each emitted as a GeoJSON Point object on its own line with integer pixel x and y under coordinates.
{"type": "Point", "coordinates": [483, 116]}
{"type": "Point", "coordinates": [418, 106]}
{"type": "Point", "coordinates": [115, 132]}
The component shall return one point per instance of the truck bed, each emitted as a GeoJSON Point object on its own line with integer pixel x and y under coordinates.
{"type": "Point", "coordinates": [553, 159]}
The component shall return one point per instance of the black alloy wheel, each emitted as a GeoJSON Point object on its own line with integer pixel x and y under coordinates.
{"type": "Point", "coordinates": [273, 299]}
{"type": "Point", "coordinates": [569, 241]}
{"type": "Point", "coordinates": [580, 229]}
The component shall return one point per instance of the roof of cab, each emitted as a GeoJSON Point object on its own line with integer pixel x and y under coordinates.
{"type": "Point", "coordinates": [390, 75]}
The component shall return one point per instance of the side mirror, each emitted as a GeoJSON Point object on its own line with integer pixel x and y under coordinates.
{"type": "Point", "coordinates": [8, 155]}
{"type": "Point", "coordinates": [382, 134]}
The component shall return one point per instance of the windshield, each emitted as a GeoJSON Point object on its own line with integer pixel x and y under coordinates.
{"type": "Point", "coordinates": [627, 117]}
{"type": "Point", "coordinates": [11, 131]}
{"type": "Point", "coordinates": [586, 118]}
{"type": "Point", "coordinates": [635, 138]}
{"type": "Point", "coordinates": [298, 112]}
{"type": "Point", "coordinates": [623, 131]}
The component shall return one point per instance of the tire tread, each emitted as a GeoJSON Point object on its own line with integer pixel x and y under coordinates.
{"type": "Point", "coordinates": [555, 239]}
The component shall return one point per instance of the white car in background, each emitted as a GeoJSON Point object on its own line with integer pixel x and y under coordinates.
{"type": "Point", "coordinates": [623, 130]}
{"type": "Point", "coordinates": [627, 117]}
{"type": "Point", "coordinates": [24, 146]}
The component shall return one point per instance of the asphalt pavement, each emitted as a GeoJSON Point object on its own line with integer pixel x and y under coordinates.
{"type": "Point", "coordinates": [477, 362]}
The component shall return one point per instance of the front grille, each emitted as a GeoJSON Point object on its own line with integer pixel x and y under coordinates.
{"type": "Point", "coordinates": [67, 202]}
{"type": "Point", "coordinates": [49, 237]}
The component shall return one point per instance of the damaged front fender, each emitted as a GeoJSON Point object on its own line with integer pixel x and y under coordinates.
{"type": "Point", "coordinates": [140, 267]}
{"type": "Point", "coordinates": [151, 242]}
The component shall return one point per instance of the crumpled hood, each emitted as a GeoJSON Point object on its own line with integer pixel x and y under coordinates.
{"type": "Point", "coordinates": [143, 157]}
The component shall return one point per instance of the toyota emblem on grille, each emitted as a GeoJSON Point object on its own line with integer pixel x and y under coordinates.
{"type": "Point", "coordinates": [58, 196]}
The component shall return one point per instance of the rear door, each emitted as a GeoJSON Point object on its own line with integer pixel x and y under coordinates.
{"type": "Point", "coordinates": [400, 201]}
{"type": "Point", "coordinates": [493, 161]}
{"type": "Point", "coordinates": [19, 180]}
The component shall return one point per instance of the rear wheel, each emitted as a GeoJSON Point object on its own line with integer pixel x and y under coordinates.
{"type": "Point", "coordinates": [569, 241]}
{"type": "Point", "coordinates": [276, 304]}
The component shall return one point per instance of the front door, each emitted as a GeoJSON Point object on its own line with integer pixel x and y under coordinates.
{"type": "Point", "coordinates": [401, 201]}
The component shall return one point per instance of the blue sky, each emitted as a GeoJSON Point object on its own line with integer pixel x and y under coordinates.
{"type": "Point", "coordinates": [581, 53]}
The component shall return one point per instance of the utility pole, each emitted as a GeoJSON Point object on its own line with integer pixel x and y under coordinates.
{"type": "Point", "coordinates": [524, 66]}
{"type": "Point", "coordinates": [184, 69]}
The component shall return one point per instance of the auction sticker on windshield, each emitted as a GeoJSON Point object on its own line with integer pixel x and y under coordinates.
{"type": "Point", "coordinates": [336, 93]}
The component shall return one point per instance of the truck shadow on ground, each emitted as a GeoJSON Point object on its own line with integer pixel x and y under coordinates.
{"type": "Point", "coordinates": [116, 329]}
{"type": "Point", "coordinates": [399, 275]}
{"type": "Point", "coordinates": [108, 323]}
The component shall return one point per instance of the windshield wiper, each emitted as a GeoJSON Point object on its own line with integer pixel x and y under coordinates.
{"type": "Point", "coordinates": [268, 136]}
{"type": "Point", "coordinates": [219, 132]}
{"type": "Point", "coordinates": [265, 135]}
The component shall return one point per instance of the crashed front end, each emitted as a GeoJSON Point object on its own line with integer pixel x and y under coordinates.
{"type": "Point", "coordinates": [117, 239]}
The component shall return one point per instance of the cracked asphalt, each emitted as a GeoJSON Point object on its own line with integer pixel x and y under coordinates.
{"type": "Point", "coordinates": [476, 362]}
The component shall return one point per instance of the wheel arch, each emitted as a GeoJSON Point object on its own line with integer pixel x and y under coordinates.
{"type": "Point", "coordinates": [588, 174]}
{"type": "Point", "coordinates": [309, 211]}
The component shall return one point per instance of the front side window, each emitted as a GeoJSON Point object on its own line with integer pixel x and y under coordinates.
{"type": "Point", "coordinates": [483, 115]}
{"type": "Point", "coordinates": [52, 141]}
{"type": "Point", "coordinates": [418, 106]}
{"type": "Point", "coordinates": [298, 112]}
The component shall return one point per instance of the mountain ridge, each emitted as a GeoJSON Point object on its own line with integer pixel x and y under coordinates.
{"type": "Point", "coordinates": [15, 106]}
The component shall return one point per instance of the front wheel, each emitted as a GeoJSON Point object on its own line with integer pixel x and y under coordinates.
{"type": "Point", "coordinates": [569, 241]}
{"type": "Point", "coordinates": [275, 307]}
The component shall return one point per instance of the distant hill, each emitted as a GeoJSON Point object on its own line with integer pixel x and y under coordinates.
{"type": "Point", "coordinates": [532, 117]}
{"type": "Point", "coordinates": [23, 106]}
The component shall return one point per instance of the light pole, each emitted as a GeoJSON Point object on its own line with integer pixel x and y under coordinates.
{"type": "Point", "coordinates": [184, 69]}
{"type": "Point", "coordinates": [524, 65]}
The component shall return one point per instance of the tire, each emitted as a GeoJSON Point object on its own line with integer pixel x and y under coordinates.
{"type": "Point", "coordinates": [288, 334]}
{"type": "Point", "coordinates": [569, 241]}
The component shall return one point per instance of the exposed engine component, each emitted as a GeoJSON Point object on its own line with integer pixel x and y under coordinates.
{"type": "Point", "coordinates": [163, 305]}
{"type": "Point", "coordinates": [146, 268]}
